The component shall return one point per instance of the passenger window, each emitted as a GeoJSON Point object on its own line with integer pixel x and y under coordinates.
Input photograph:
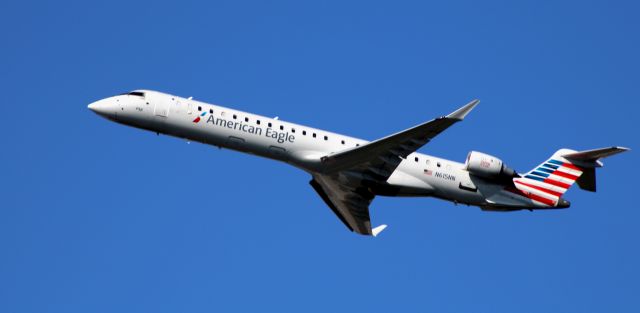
{"type": "Point", "coordinates": [281, 127]}
{"type": "Point", "coordinates": [304, 133]}
{"type": "Point", "coordinates": [342, 142]}
{"type": "Point", "coordinates": [211, 111]}
{"type": "Point", "coordinates": [199, 108]}
{"type": "Point", "coordinates": [357, 145]}
{"type": "Point", "coordinates": [416, 159]}
{"type": "Point", "coordinates": [438, 164]}
{"type": "Point", "coordinates": [326, 138]}
{"type": "Point", "coordinates": [246, 119]}
{"type": "Point", "coordinates": [293, 130]}
{"type": "Point", "coordinates": [235, 116]}
{"type": "Point", "coordinates": [314, 135]}
{"type": "Point", "coordinates": [258, 122]}
{"type": "Point", "coordinates": [269, 124]}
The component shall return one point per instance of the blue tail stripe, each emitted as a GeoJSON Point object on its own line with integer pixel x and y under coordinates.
{"type": "Point", "coordinates": [534, 177]}
{"type": "Point", "coordinates": [546, 170]}
{"type": "Point", "coordinates": [556, 162]}
{"type": "Point", "coordinates": [540, 174]}
{"type": "Point", "coordinates": [550, 166]}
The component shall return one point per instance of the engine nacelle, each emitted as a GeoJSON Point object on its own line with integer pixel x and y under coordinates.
{"type": "Point", "coordinates": [487, 166]}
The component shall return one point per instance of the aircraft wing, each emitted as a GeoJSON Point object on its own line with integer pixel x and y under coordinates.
{"type": "Point", "coordinates": [380, 158]}
{"type": "Point", "coordinates": [350, 204]}
{"type": "Point", "coordinates": [340, 183]}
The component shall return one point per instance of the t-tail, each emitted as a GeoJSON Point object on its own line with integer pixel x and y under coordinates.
{"type": "Point", "coordinates": [546, 183]}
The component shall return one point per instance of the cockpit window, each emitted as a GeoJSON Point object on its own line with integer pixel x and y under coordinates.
{"type": "Point", "coordinates": [136, 93]}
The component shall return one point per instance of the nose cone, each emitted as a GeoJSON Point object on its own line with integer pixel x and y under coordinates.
{"type": "Point", "coordinates": [104, 107]}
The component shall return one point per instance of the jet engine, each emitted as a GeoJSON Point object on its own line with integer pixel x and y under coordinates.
{"type": "Point", "coordinates": [488, 166]}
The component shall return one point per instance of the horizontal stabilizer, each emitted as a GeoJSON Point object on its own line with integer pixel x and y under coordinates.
{"type": "Point", "coordinates": [595, 154]}
{"type": "Point", "coordinates": [589, 160]}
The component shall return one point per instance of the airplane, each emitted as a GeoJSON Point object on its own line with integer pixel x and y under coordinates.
{"type": "Point", "coordinates": [348, 173]}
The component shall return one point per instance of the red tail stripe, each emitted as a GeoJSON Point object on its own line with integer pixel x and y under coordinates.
{"type": "Point", "coordinates": [573, 167]}
{"type": "Point", "coordinates": [565, 175]}
{"type": "Point", "coordinates": [545, 190]}
{"type": "Point", "coordinates": [556, 183]}
{"type": "Point", "coordinates": [542, 199]}
{"type": "Point", "coordinates": [530, 196]}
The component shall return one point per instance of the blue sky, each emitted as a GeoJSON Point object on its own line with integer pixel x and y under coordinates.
{"type": "Point", "coordinates": [97, 217]}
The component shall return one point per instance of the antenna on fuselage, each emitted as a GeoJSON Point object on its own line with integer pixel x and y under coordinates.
{"type": "Point", "coordinates": [276, 118]}
{"type": "Point", "coordinates": [190, 98]}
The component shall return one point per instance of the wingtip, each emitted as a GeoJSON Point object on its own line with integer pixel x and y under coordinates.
{"type": "Point", "coordinates": [460, 113]}
{"type": "Point", "coordinates": [378, 230]}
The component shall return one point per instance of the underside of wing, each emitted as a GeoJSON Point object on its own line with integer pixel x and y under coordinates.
{"type": "Point", "coordinates": [351, 205]}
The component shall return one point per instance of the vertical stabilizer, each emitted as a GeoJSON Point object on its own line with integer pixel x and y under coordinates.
{"type": "Point", "coordinates": [546, 183]}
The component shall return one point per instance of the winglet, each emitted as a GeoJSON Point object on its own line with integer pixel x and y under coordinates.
{"type": "Point", "coordinates": [378, 230]}
{"type": "Point", "coordinates": [460, 113]}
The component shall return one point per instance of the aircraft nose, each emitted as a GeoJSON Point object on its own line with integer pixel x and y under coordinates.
{"type": "Point", "coordinates": [104, 108]}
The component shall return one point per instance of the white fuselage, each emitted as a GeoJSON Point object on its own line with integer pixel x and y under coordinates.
{"type": "Point", "coordinates": [301, 146]}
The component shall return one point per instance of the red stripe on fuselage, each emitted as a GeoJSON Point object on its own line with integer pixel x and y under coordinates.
{"type": "Point", "coordinates": [545, 190]}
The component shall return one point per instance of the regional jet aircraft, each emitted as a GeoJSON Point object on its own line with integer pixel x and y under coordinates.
{"type": "Point", "coordinates": [348, 173]}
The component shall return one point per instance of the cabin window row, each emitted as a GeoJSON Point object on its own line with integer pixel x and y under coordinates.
{"type": "Point", "coordinates": [428, 162]}
{"type": "Point", "coordinates": [269, 124]}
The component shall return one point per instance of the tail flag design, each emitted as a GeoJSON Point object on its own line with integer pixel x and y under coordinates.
{"type": "Point", "coordinates": [546, 183]}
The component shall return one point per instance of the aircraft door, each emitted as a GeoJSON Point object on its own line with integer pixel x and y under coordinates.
{"type": "Point", "coordinates": [161, 106]}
